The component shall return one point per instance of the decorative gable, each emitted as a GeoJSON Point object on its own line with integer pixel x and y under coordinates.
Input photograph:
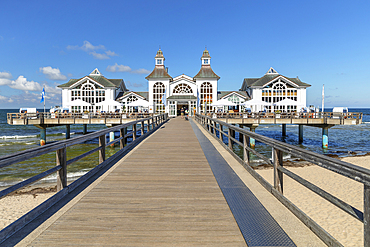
{"type": "Point", "coordinates": [95, 72]}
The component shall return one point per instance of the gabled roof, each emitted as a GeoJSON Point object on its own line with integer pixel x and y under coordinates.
{"type": "Point", "coordinates": [145, 95]}
{"type": "Point", "coordinates": [260, 82]}
{"type": "Point", "coordinates": [99, 79]}
{"type": "Point", "coordinates": [222, 94]}
{"type": "Point", "coordinates": [159, 72]}
{"type": "Point", "coordinates": [206, 72]}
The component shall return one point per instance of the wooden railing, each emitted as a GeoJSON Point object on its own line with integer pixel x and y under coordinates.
{"type": "Point", "coordinates": [359, 174]}
{"type": "Point", "coordinates": [289, 115]}
{"type": "Point", "coordinates": [48, 115]}
{"type": "Point", "coordinates": [60, 148]}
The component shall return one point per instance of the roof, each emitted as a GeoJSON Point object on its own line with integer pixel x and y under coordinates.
{"type": "Point", "coordinates": [206, 72]}
{"type": "Point", "coordinates": [142, 94]}
{"type": "Point", "coordinates": [99, 79]}
{"type": "Point", "coordinates": [221, 94]}
{"type": "Point", "coordinates": [159, 54]}
{"type": "Point", "coordinates": [159, 72]}
{"type": "Point", "coordinates": [187, 97]}
{"type": "Point", "coordinates": [205, 54]}
{"type": "Point", "coordinates": [259, 82]}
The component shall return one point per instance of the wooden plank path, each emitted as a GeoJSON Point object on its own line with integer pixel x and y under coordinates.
{"type": "Point", "coordinates": [162, 194]}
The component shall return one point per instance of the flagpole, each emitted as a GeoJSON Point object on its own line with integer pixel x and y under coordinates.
{"type": "Point", "coordinates": [322, 102]}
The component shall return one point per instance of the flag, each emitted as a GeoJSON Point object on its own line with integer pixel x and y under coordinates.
{"type": "Point", "coordinates": [42, 95]}
{"type": "Point", "coordinates": [164, 98]}
{"type": "Point", "coordinates": [322, 100]}
{"type": "Point", "coordinates": [198, 99]}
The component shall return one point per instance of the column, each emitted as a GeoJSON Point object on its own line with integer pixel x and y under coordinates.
{"type": "Point", "coordinates": [300, 133]}
{"type": "Point", "coordinates": [251, 140]}
{"type": "Point", "coordinates": [68, 131]}
{"type": "Point", "coordinates": [283, 130]}
{"type": "Point", "coordinates": [85, 129]}
{"type": "Point", "coordinates": [325, 139]}
{"type": "Point", "coordinates": [111, 138]}
{"type": "Point", "coordinates": [42, 136]}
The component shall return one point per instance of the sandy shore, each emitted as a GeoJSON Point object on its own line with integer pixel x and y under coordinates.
{"type": "Point", "coordinates": [339, 224]}
{"type": "Point", "coordinates": [343, 227]}
{"type": "Point", "coordinates": [19, 203]}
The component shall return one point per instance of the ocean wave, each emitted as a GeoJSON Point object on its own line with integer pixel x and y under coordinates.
{"type": "Point", "coordinates": [17, 137]}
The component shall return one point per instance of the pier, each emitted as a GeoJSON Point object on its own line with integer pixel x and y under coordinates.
{"type": "Point", "coordinates": [177, 183]}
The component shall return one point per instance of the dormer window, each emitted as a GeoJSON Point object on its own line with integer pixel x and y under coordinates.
{"type": "Point", "coordinates": [159, 61]}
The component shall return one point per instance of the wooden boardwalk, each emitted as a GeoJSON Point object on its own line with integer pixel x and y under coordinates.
{"type": "Point", "coordinates": [162, 194]}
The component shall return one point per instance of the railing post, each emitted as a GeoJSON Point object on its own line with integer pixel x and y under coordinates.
{"type": "Point", "coordinates": [134, 132]}
{"type": "Point", "coordinates": [142, 128]}
{"type": "Point", "coordinates": [245, 151]}
{"type": "Point", "coordinates": [61, 160]}
{"type": "Point", "coordinates": [277, 159]}
{"type": "Point", "coordinates": [366, 215]}
{"type": "Point", "coordinates": [229, 137]}
{"type": "Point", "coordinates": [220, 132]}
{"type": "Point", "coordinates": [102, 150]}
{"type": "Point", "coordinates": [122, 142]}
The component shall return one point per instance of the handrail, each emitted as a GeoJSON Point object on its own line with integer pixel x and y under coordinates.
{"type": "Point", "coordinates": [359, 174]}
{"type": "Point", "coordinates": [61, 148]}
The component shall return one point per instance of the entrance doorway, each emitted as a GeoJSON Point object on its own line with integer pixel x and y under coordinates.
{"type": "Point", "coordinates": [180, 106]}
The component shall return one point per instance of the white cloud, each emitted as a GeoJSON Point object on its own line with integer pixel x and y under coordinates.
{"type": "Point", "coordinates": [124, 68]}
{"type": "Point", "coordinates": [53, 74]}
{"type": "Point", "coordinates": [21, 83]}
{"type": "Point", "coordinates": [3, 98]}
{"type": "Point", "coordinates": [5, 75]}
{"type": "Point", "coordinates": [91, 49]}
{"type": "Point", "coordinates": [100, 56]}
{"type": "Point", "coordinates": [4, 82]}
{"type": "Point", "coordinates": [118, 68]}
{"type": "Point", "coordinates": [141, 71]}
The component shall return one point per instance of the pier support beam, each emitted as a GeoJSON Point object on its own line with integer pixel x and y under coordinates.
{"type": "Point", "coordinates": [111, 138]}
{"type": "Point", "coordinates": [42, 136]}
{"type": "Point", "coordinates": [68, 131]}
{"type": "Point", "coordinates": [300, 133]}
{"type": "Point", "coordinates": [85, 129]}
{"type": "Point", "coordinates": [325, 139]}
{"type": "Point", "coordinates": [283, 130]}
{"type": "Point", "coordinates": [251, 140]}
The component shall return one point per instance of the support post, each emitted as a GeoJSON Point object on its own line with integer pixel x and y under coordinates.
{"type": "Point", "coordinates": [325, 138]}
{"type": "Point", "coordinates": [122, 136]}
{"type": "Point", "coordinates": [85, 129]}
{"type": "Point", "coordinates": [142, 128]}
{"type": "Point", "coordinates": [240, 134]}
{"type": "Point", "coordinates": [102, 150]}
{"type": "Point", "coordinates": [277, 159]}
{"type": "Point", "coordinates": [283, 131]}
{"type": "Point", "coordinates": [134, 132]}
{"type": "Point", "coordinates": [111, 137]}
{"type": "Point", "coordinates": [246, 156]}
{"type": "Point", "coordinates": [252, 141]}
{"type": "Point", "coordinates": [300, 133]}
{"type": "Point", "coordinates": [366, 215]}
{"type": "Point", "coordinates": [61, 160]}
{"type": "Point", "coordinates": [68, 131]}
{"type": "Point", "coordinates": [220, 133]}
{"type": "Point", "coordinates": [229, 137]}
{"type": "Point", "coordinates": [42, 136]}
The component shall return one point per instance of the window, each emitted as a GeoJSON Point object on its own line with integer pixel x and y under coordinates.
{"type": "Point", "coordinates": [159, 61]}
{"type": "Point", "coordinates": [205, 96]}
{"type": "Point", "coordinates": [158, 91]}
{"type": "Point", "coordinates": [182, 88]}
{"type": "Point", "coordinates": [205, 61]}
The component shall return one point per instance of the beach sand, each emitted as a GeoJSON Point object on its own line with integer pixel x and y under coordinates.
{"type": "Point", "coordinates": [17, 204]}
{"type": "Point", "coordinates": [340, 225]}
{"type": "Point", "coordinates": [336, 222]}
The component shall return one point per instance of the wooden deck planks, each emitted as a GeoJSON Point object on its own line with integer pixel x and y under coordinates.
{"type": "Point", "coordinates": [163, 194]}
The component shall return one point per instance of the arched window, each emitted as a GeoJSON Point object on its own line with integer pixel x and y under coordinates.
{"type": "Point", "coordinates": [130, 99]}
{"type": "Point", "coordinates": [158, 91]}
{"type": "Point", "coordinates": [87, 91]}
{"type": "Point", "coordinates": [182, 88]}
{"type": "Point", "coordinates": [205, 96]}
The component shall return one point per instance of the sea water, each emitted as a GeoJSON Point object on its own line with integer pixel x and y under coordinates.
{"type": "Point", "coordinates": [344, 140]}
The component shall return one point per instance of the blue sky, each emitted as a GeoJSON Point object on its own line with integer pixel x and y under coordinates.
{"type": "Point", "coordinates": [46, 43]}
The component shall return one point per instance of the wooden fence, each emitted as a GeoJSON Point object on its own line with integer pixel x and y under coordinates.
{"type": "Point", "coordinates": [359, 174]}
{"type": "Point", "coordinates": [60, 147]}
